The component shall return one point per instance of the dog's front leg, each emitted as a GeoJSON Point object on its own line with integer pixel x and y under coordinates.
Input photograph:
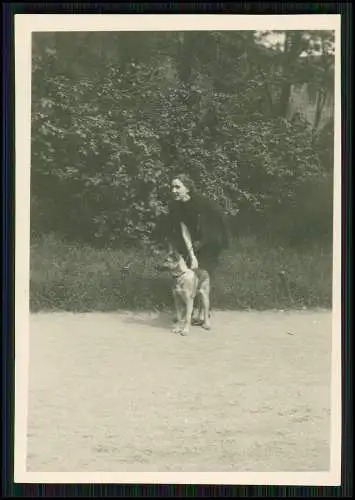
{"type": "Point", "coordinates": [189, 302]}
{"type": "Point", "coordinates": [178, 312]}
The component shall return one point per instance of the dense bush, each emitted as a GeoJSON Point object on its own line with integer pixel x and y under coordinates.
{"type": "Point", "coordinates": [115, 116]}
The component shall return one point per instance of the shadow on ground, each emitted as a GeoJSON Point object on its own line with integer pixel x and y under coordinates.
{"type": "Point", "coordinates": [158, 320]}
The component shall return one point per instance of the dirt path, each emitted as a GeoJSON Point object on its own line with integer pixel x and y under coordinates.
{"type": "Point", "coordinates": [120, 392]}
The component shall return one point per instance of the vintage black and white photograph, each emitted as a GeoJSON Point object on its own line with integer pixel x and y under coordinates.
{"type": "Point", "coordinates": [178, 282]}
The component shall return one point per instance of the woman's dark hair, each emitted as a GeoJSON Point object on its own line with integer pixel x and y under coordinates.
{"type": "Point", "coordinates": [186, 180]}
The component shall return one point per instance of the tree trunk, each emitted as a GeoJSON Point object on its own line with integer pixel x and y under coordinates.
{"type": "Point", "coordinates": [185, 57]}
{"type": "Point", "coordinates": [292, 50]}
{"type": "Point", "coordinates": [284, 102]}
{"type": "Point", "coordinates": [321, 99]}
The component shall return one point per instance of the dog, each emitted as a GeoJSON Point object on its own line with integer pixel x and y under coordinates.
{"type": "Point", "coordinates": [189, 287]}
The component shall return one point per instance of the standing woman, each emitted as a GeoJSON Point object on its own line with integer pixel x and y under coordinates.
{"type": "Point", "coordinates": [195, 226]}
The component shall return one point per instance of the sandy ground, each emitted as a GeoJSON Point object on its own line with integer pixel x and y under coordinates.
{"type": "Point", "coordinates": [120, 392]}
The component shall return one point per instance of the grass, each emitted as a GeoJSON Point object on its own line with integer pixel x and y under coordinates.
{"type": "Point", "coordinates": [73, 277]}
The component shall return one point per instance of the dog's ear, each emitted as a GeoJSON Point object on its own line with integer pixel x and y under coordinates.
{"type": "Point", "coordinates": [176, 255]}
{"type": "Point", "coordinates": [170, 251]}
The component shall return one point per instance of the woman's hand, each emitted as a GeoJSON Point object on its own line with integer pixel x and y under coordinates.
{"type": "Point", "coordinates": [194, 262]}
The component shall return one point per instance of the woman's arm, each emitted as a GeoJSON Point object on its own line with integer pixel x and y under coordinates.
{"type": "Point", "coordinates": [188, 242]}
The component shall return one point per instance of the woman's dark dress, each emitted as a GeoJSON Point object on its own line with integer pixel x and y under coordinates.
{"type": "Point", "coordinates": [207, 228]}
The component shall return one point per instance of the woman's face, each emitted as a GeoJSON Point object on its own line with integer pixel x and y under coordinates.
{"type": "Point", "coordinates": [179, 191]}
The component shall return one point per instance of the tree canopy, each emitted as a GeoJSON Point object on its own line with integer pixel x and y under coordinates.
{"type": "Point", "coordinates": [115, 115]}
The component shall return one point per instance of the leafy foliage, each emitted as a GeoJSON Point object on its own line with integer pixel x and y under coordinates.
{"type": "Point", "coordinates": [116, 115]}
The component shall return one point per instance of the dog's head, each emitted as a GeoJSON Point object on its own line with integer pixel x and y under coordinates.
{"type": "Point", "coordinates": [173, 261]}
